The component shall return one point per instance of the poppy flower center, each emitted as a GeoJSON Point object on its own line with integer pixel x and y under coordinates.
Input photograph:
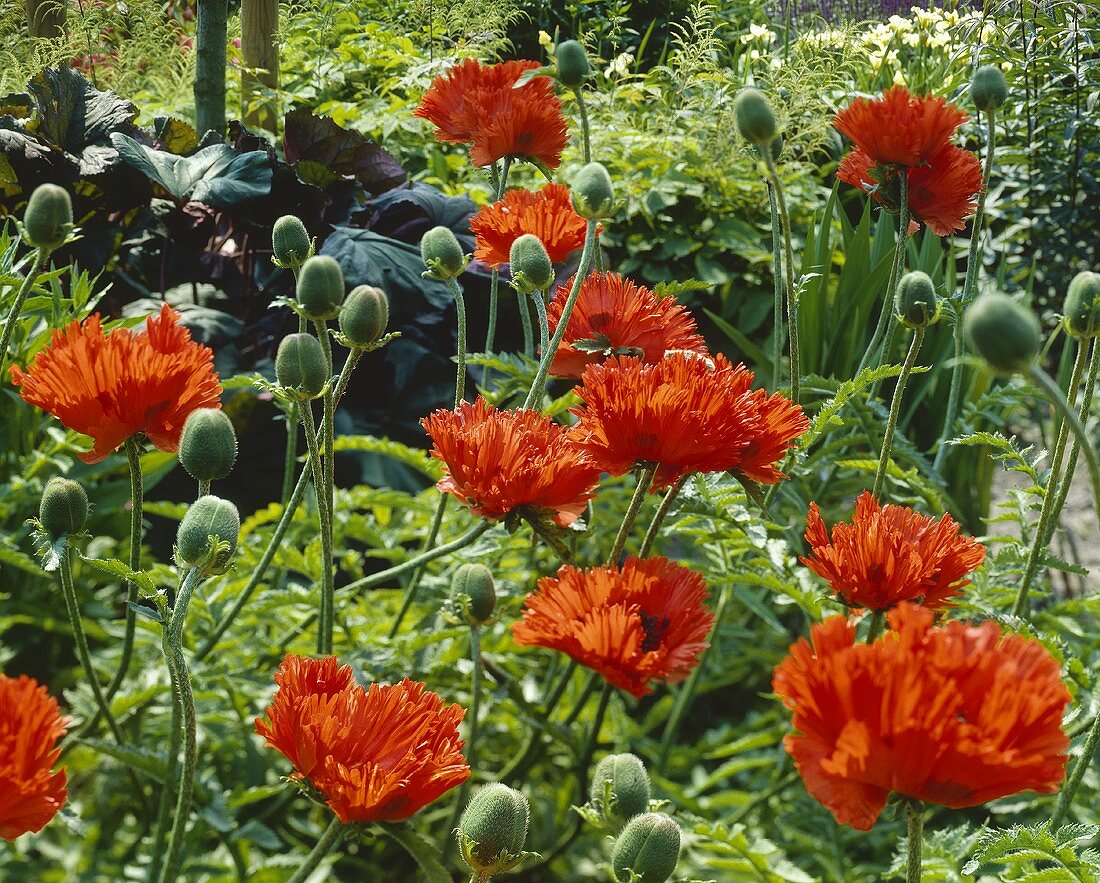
{"type": "Point", "coordinates": [655, 630]}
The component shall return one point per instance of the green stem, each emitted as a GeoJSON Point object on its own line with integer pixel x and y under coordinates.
{"type": "Point", "coordinates": [525, 322]}
{"type": "Point", "coordinates": [334, 833]}
{"type": "Point", "coordinates": [895, 409]}
{"type": "Point", "coordinates": [324, 517]}
{"type": "Point", "coordinates": [544, 326]}
{"type": "Point", "coordinates": [460, 309]}
{"type": "Point", "coordinates": [777, 277]}
{"type": "Point", "coordinates": [914, 813]}
{"type": "Point", "coordinates": [41, 255]}
{"type": "Point", "coordinates": [952, 396]}
{"type": "Point", "coordinates": [586, 135]}
{"type": "Point", "coordinates": [1044, 526]}
{"type": "Point", "coordinates": [583, 267]}
{"type": "Point", "coordinates": [582, 700]}
{"type": "Point", "coordinates": [788, 263]}
{"type": "Point", "coordinates": [547, 535]}
{"type": "Point", "coordinates": [1065, 799]}
{"type": "Point", "coordinates": [414, 581]}
{"type": "Point", "coordinates": [494, 280]}
{"type": "Point", "coordinates": [290, 461]}
{"type": "Point", "coordinates": [895, 272]}
{"type": "Point", "coordinates": [877, 626]}
{"type": "Point", "coordinates": [687, 693]}
{"type": "Point", "coordinates": [660, 515]}
{"type": "Point", "coordinates": [133, 458]}
{"type": "Point", "coordinates": [1075, 446]}
{"type": "Point", "coordinates": [593, 738]}
{"type": "Point", "coordinates": [326, 488]}
{"type": "Point", "coordinates": [645, 481]}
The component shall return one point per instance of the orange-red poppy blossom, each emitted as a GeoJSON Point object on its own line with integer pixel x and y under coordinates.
{"type": "Point", "coordinates": [478, 104]}
{"type": "Point", "coordinates": [956, 716]}
{"type": "Point", "coordinates": [547, 213]}
{"type": "Point", "coordinates": [898, 128]}
{"type": "Point", "coordinates": [643, 624]}
{"type": "Point", "coordinates": [31, 725]}
{"type": "Point", "coordinates": [889, 554]}
{"type": "Point", "coordinates": [685, 413]}
{"type": "Point", "coordinates": [499, 461]}
{"type": "Point", "coordinates": [114, 386]}
{"type": "Point", "coordinates": [375, 755]}
{"type": "Point", "coordinates": [613, 316]}
{"type": "Point", "coordinates": [943, 192]}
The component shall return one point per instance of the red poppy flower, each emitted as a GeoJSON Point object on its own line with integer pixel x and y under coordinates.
{"type": "Point", "coordinates": [499, 461]}
{"type": "Point", "coordinates": [375, 755]}
{"type": "Point", "coordinates": [956, 716]}
{"type": "Point", "coordinates": [898, 128]}
{"type": "Point", "coordinates": [890, 554]}
{"type": "Point", "coordinates": [477, 104]}
{"type": "Point", "coordinates": [30, 727]}
{"type": "Point", "coordinates": [642, 624]}
{"type": "Point", "coordinates": [613, 316]}
{"type": "Point", "coordinates": [686, 413]}
{"type": "Point", "coordinates": [114, 386]}
{"type": "Point", "coordinates": [547, 213]}
{"type": "Point", "coordinates": [942, 193]}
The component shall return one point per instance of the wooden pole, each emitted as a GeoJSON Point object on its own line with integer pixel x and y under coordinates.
{"type": "Point", "coordinates": [259, 24]}
{"type": "Point", "coordinates": [210, 43]}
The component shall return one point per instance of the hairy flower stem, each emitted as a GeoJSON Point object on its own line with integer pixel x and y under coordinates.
{"type": "Point", "coordinates": [895, 409]}
{"type": "Point", "coordinates": [970, 285]}
{"type": "Point", "coordinates": [544, 324]}
{"type": "Point", "coordinates": [460, 310]}
{"type": "Point", "coordinates": [645, 481]}
{"type": "Point", "coordinates": [525, 322]}
{"type": "Point", "coordinates": [500, 182]}
{"type": "Point", "coordinates": [914, 814]}
{"type": "Point", "coordinates": [539, 385]}
{"type": "Point", "coordinates": [1075, 445]}
{"type": "Point", "coordinates": [41, 255]}
{"type": "Point", "coordinates": [877, 625]}
{"type": "Point", "coordinates": [327, 605]}
{"type": "Point", "coordinates": [896, 269]}
{"type": "Point", "coordinates": [133, 458]}
{"type": "Point", "coordinates": [660, 515]}
{"type": "Point", "coordinates": [334, 833]}
{"type": "Point", "coordinates": [586, 132]}
{"type": "Point", "coordinates": [1044, 526]}
{"type": "Point", "coordinates": [1065, 798]}
{"type": "Point", "coordinates": [547, 535]}
{"type": "Point", "coordinates": [788, 267]}
{"type": "Point", "coordinates": [777, 276]}
{"type": "Point", "coordinates": [686, 696]}
{"type": "Point", "coordinates": [328, 434]}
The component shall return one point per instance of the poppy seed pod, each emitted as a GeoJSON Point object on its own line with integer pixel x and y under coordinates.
{"type": "Point", "coordinates": [530, 264]}
{"type": "Point", "coordinates": [755, 117]}
{"type": "Point", "coordinates": [915, 301]}
{"type": "Point", "coordinates": [320, 288]}
{"type": "Point", "coordinates": [290, 242]}
{"type": "Point", "coordinates": [649, 846]}
{"type": "Point", "coordinates": [208, 444]}
{"type": "Point", "coordinates": [592, 192]}
{"type": "Point", "coordinates": [1082, 305]}
{"type": "Point", "coordinates": [988, 89]}
{"type": "Point", "coordinates": [64, 507]}
{"type": "Point", "coordinates": [207, 517]}
{"type": "Point", "coordinates": [1003, 332]}
{"type": "Point", "coordinates": [442, 253]}
{"type": "Point", "coordinates": [573, 66]}
{"type": "Point", "coordinates": [476, 581]}
{"type": "Point", "coordinates": [364, 315]}
{"type": "Point", "coordinates": [49, 217]}
{"type": "Point", "coordinates": [493, 829]}
{"type": "Point", "coordinates": [620, 787]}
{"type": "Point", "coordinates": [301, 366]}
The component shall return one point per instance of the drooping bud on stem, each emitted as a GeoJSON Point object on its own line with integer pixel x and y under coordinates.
{"type": "Point", "coordinates": [63, 508]}
{"type": "Point", "coordinates": [649, 846]}
{"type": "Point", "coordinates": [1003, 332]}
{"type": "Point", "coordinates": [208, 444]}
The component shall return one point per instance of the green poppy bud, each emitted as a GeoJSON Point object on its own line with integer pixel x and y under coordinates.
{"type": "Point", "coordinates": [291, 242]}
{"type": "Point", "coordinates": [573, 66]}
{"type": "Point", "coordinates": [1082, 306]}
{"type": "Point", "coordinates": [988, 89]}
{"type": "Point", "coordinates": [755, 118]}
{"type": "Point", "coordinates": [620, 787]}
{"type": "Point", "coordinates": [208, 517]}
{"type": "Point", "coordinates": [442, 253]}
{"type": "Point", "coordinates": [49, 217]}
{"type": "Point", "coordinates": [493, 829]}
{"type": "Point", "coordinates": [64, 507]}
{"type": "Point", "coordinates": [593, 195]}
{"type": "Point", "coordinates": [208, 444]}
{"type": "Point", "coordinates": [301, 366]}
{"type": "Point", "coordinates": [320, 288]}
{"type": "Point", "coordinates": [530, 264]}
{"type": "Point", "coordinates": [364, 316]}
{"type": "Point", "coordinates": [649, 846]}
{"type": "Point", "coordinates": [1003, 332]}
{"type": "Point", "coordinates": [915, 301]}
{"type": "Point", "coordinates": [476, 581]}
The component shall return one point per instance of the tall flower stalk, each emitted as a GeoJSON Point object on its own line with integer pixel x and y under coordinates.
{"type": "Point", "coordinates": [133, 459]}
{"type": "Point", "coordinates": [895, 410]}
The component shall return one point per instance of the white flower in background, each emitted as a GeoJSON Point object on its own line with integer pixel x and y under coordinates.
{"type": "Point", "coordinates": [900, 25]}
{"type": "Point", "coordinates": [758, 34]}
{"type": "Point", "coordinates": [620, 66]}
{"type": "Point", "coordinates": [899, 78]}
{"type": "Point", "coordinates": [545, 40]}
